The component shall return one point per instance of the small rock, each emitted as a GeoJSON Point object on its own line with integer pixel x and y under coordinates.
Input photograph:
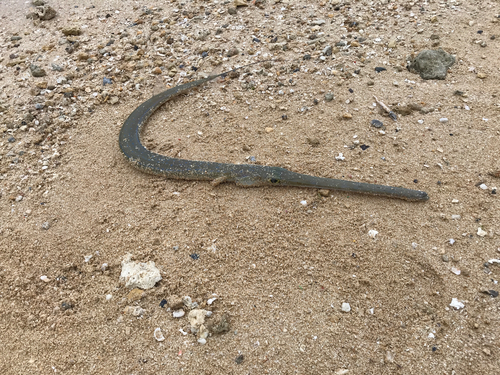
{"type": "Point", "coordinates": [443, 120]}
{"type": "Point", "coordinates": [432, 64]}
{"type": "Point", "coordinates": [346, 307]}
{"type": "Point", "coordinates": [377, 124]}
{"type": "Point", "coordinates": [196, 319]}
{"type": "Point", "coordinates": [481, 75]}
{"type": "Point", "coordinates": [392, 43]}
{"type": "Point", "coordinates": [481, 233]}
{"type": "Point", "coordinates": [240, 3]}
{"type": "Point", "coordinates": [327, 51]}
{"type": "Point", "coordinates": [232, 52]}
{"type": "Point", "coordinates": [347, 116]}
{"type": "Point", "coordinates": [379, 69]}
{"type": "Point", "coordinates": [328, 97]}
{"type": "Point", "coordinates": [45, 279]}
{"type": "Point", "coordinates": [113, 100]}
{"type": "Point", "coordinates": [135, 295]}
{"type": "Point", "coordinates": [139, 275]}
{"type": "Point", "coordinates": [46, 225]}
{"type": "Point", "coordinates": [324, 192]}
{"type": "Point", "coordinates": [372, 233]}
{"type": "Point", "coordinates": [239, 359]}
{"type": "Point", "coordinates": [74, 30]}
{"type": "Point", "coordinates": [46, 12]}
{"type": "Point", "coordinates": [175, 302]}
{"type": "Point", "coordinates": [36, 71]}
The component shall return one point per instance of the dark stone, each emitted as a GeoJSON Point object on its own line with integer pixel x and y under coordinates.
{"type": "Point", "coordinates": [379, 69]}
{"type": "Point", "coordinates": [432, 64]}
{"type": "Point", "coordinates": [66, 306]}
{"type": "Point", "coordinates": [204, 54]}
{"type": "Point", "coordinates": [364, 147]}
{"type": "Point", "coordinates": [107, 81]}
{"type": "Point", "coordinates": [377, 123]}
{"type": "Point", "coordinates": [195, 256]}
{"type": "Point", "coordinates": [239, 359]}
{"type": "Point", "coordinates": [11, 139]}
{"type": "Point", "coordinates": [306, 57]}
{"type": "Point", "coordinates": [163, 302]}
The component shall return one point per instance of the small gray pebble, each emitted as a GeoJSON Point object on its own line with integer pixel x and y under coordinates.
{"type": "Point", "coordinates": [11, 139]}
{"type": "Point", "coordinates": [328, 97]}
{"type": "Point", "coordinates": [377, 123]}
{"type": "Point", "coordinates": [46, 225]}
{"type": "Point", "coordinates": [445, 258]}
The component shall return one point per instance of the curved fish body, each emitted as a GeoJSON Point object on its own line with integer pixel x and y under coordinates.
{"type": "Point", "coordinates": [246, 175]}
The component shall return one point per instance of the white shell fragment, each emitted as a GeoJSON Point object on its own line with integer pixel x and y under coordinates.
{"type": "Point", "coordinates": [456, 304]}
{"type": "Point", "coordinates": [158, 334]}
{"type": "Point", "coordinates": [481, 233]}
{"type": "Point", "coordinates": [346, 307]}
{"type": "Point", "coordinates": [372, 233]}
{"type": "Point", "coordinates": [178, 313]}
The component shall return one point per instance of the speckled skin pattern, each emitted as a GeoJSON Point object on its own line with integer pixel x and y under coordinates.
{"type": "Point", "coordinates": [246, 175]}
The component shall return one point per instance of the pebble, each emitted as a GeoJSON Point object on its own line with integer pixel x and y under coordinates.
{"type": "Point", "coordinates": [443, 120]}
{"type": "Point", "coordinates": [327, 51]}
{"type": "Point", "coordinates": [139, 275]}
{"type": "Point", "coordinates": [45, 225]}
{"type": "Point", "coordinates": [377, 123]}
{"type": "Point", "coordinates": [372, 233]}
{"type": "Point", "coordinates": [346, 307]}
{"type": "Point", "coordinates": [328, 97]}
{"type": "Point", "coordinates": [481, 232]}
{"type": "Point", "coordinates": [135, 295]}
{"type": "Point", "coordinates": [45, 279]}
{"type": "Point", "coordinates": [432, 64]}
{"type": "Point", "coordinates": [37, 71]}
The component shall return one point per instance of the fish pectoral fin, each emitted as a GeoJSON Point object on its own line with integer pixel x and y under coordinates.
{"type": "Point", "coordinates": [219, 180]}
{"type": "Point", "coordinates": [248, 181]}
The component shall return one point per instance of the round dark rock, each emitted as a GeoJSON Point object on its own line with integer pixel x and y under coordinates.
{"type": "Point", "coordinates": [195, 256]}
{"type": "Point", "coordinates": [204, 54]}
{"type": "Point", "coordinates": [239, 359]}
{"type": "Point", "coordinates": [11, 139]}
{"type": "Point", "coordinates": [364, 147]}
{"type": "Point", "coordinates": [307, 57]}
{"type": "Point", "coordinates": [377, 123]}
{"type": "Point", "coordinates": [107, 81]}
{"type": "Point", "coordinates": [379, 69]}
{"type": "Point", "coordinates": [163, 302]}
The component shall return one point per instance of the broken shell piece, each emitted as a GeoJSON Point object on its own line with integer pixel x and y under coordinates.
{"type": "Point", "coordinates": [178, 313]}
{"type": "Point", "coordinates": [158, 334]}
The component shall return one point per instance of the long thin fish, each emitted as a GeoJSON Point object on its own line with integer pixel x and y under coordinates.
{"type": "Point", "coordinates": [245, 175]}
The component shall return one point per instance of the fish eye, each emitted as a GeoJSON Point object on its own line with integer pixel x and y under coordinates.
{"type": "Point", "coordinates": [274, 180]}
